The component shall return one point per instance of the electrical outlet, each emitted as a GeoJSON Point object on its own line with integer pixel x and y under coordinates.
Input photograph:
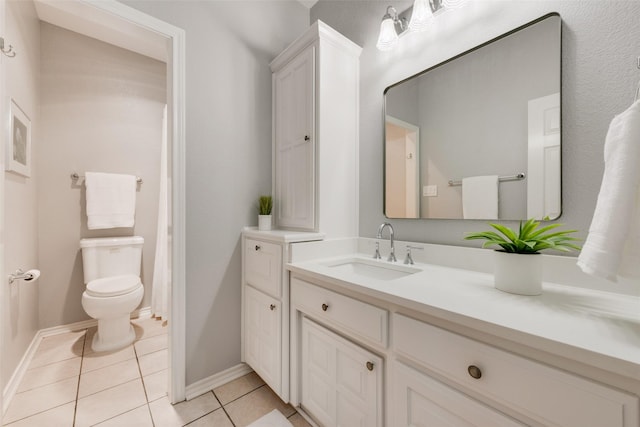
{"type": "Point", "coordinates": [430, 191]}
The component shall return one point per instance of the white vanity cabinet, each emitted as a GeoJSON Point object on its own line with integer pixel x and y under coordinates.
{"type": "Point", "coordinates": [541, 393]}
{"type": "Point", "coordinates": [265, 304]}
{"type": "Point", "coordinates": [336, 379]}
{"type": "Point", "coordinates": [315, 133]}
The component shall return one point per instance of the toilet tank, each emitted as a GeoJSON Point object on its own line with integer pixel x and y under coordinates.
{"type": "Point", "coordinates": [111, 256]}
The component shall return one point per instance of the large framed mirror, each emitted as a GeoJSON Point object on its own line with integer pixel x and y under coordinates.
{"type": "Point", "coordinates": [479, 135]}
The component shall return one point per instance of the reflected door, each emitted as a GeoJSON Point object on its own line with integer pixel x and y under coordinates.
{"type": "Point", "coordinates": [402, 197]}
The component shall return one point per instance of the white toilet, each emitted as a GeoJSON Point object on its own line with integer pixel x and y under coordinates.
{"type": "Point", "coordinates": [112, 275]}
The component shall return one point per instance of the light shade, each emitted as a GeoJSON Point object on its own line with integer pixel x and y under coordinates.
{"type": "Point", "coordinates": [421, 16]}
{"type": "Point", "coordinates": [388, 37]}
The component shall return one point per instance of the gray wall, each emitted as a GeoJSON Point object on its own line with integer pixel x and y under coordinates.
{"type": "Point", "coordinates": [20, 304]}
{"type": "Point", "coordinates": [101, 110]}
{"type": "Point", "coordinates": [228, 154]}
{"type": "Point", "coordinates": [601, 41]}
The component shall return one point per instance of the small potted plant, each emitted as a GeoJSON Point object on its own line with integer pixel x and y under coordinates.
{"type": "Point", "coordinates": [265, 204]}
{"type": "Point", "coordinates": [518, 266]}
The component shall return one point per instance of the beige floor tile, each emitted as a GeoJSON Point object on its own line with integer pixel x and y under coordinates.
{"type": "Point", "coordinates": [94, 361]}
{"type": "Point", "coordinates": [254, 405]}
{"type": "Point", "coordinates": [153, 362]}
{"type": "Point", "coordinates": [237, 388]}
{"type": "Point", "coordinates": [298, 421]}
{"type": "Point", "coordinates": [109, 403]}
{"type": "Point", "coordinates": [150, 345]}
{"type": "Point", "coordinates": [149, 327]}
{"type": "Point", "coordinates": [217, 418]}
{"type": "Point", "coordinates": [107, 377]}
{"type": "Point", "coordinates": [166, 415]}
{"type": "Point", "coordinates": [41, 399]}
{"type": "Point", "coordinates": [49, 374]}
{"type": "Point", "coordinates": [60, 416]}
{"type": "Point", "coordinates": [139, 417]}
{"type": "Point", "coordinates": [156, 385]}
{"type": "Point", "coordinates": [56, 349]}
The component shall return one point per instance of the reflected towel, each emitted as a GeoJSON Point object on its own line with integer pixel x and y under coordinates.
{"type": "Point", "coordinates": [480, 197]}
{"type": "Point", "coordinates": [612, 247]}
{"type": "Point", "coordinates": [111, 200]}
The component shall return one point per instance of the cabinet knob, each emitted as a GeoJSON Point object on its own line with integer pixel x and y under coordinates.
{"type": "Point", "coordinates": [370, 366]}
{"type": "Point", "coordinates": [474, 371]}
{"type": "Point", "coordinates": [272, 307]}
{"type": "Point", "coordinates": [325, 307]}
{"type": "Point", "coordinates": [307, 138]}
{"type": "Point", "coordinates": [257, 247]}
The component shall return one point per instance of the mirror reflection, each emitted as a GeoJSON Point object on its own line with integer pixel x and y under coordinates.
{"type": "Point", "coordinates": [478, 136]}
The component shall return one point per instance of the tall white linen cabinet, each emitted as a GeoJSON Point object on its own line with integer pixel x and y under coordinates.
{"type": "Point", "coordinates": [315, 133]}
{"type": "Point", "coordinates": [315, 186]}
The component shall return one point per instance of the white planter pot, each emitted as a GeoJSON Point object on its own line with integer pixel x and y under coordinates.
{"type": "Point", "coordinates": [264, 222]}
{"type": "Point", "coordinates": [518, 273]}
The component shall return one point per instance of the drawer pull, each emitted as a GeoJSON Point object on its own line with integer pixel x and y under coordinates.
{"type": "Point", "coordinates": [370, 366]}
{"type": "Point", "coordinates": [325, 307]}
{"type": "Point", "coordinates": [474, 371]}
{"type": "Point", "coordinates": [306, 138]}
{"type": "Point", "coordinates": [258, 247]}
{"type": "Point", "coordinates": [272, 307]}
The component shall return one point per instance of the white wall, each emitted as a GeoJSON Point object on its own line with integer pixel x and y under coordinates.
{"type": "Point", "coordinates": [20, 309]}
{"type": "Point", "coordinates": [228, 154]}
{"type": "Point", "coordinates": [599, 77]}
{"type": "Point", "coordinates": [101, 110]}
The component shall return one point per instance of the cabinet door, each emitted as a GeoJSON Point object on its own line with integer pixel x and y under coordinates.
{"type": "Point", "coordinates": [263, 336]}
{"type": "Point", "coordinates": [421, 401]}
{"type": "Point", "coordinates": [294, 143]}
{"type": "Point", "coordinates": [341, 382]}
{"type": "Point", "coordinates": [263, 266]}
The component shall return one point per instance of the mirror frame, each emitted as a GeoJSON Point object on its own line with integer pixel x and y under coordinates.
{"type": "Point", "coordinates": [453, 58]}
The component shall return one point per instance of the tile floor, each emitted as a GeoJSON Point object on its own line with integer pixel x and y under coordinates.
{"type": "Point", "coordinates": [67, 384]}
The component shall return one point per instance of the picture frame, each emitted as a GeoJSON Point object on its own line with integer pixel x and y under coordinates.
{"type": "Point", "coordinates": [18, 152]}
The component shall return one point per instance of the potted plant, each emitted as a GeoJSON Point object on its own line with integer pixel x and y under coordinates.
{"type": "Point", "coordinates": [518, 266]}
{"type": "Point", "coordinates": [265, 204]}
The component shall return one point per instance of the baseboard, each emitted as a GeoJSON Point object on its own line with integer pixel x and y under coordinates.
{"type": "Point", "coordinates": [14, 382]}
{"type": "Point", "coordinates": [216, 380]}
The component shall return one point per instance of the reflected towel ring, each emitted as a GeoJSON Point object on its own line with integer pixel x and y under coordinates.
{"type": "Point", "coordinates": [9, 52]}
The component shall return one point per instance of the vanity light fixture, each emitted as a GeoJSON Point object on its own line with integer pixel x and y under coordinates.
{"type": "Point", "coordinates": [422, 12]}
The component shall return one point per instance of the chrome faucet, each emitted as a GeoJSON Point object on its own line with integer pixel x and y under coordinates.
{"type": "Point", "coordinates": [392, 254]}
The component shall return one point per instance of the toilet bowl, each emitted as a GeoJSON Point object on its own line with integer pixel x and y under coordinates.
{"type": "Point", "coordinates": [112, 275]}
{"type": "Point", "coordinates": [111, 300]}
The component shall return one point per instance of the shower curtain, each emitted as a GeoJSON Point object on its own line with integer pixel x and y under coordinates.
{"type": "Point", "coordinates": [161, 272]}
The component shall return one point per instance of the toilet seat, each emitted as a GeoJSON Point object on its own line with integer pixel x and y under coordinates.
{"type": "Point", "coordinates": [113, 286]}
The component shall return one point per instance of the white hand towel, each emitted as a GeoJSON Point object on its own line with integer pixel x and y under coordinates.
{"type": "Point", "coordinates": [480, 197]}
{"type": "Point", "coordinates": [612, 247]}
{"type": "Point", "coordinates": [111, 200]}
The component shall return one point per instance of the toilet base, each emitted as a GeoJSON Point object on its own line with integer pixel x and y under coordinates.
{"type": "Point", "coordinates": [113, 334]}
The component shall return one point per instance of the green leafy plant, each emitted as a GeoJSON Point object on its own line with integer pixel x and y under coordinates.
{"type": "Point", "coordinates": [265, 204]}
{"type": "Point", "coordinates": [529, 239]}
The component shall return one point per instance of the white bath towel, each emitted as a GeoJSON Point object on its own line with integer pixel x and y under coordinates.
{"type": "Point", "coordinates": [111, 200]}
{"type": "Point", "coordinates": [612, 247]}
{"type": "Point", "coordinates": [480, 197]}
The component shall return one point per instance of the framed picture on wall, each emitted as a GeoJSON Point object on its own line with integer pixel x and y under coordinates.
{"type": "Point", "coordinates": [19, 145]}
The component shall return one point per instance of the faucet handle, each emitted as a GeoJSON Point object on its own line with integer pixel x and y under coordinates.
{"type": "Point", "coordinates": [377, 254]}
{"type": "Point", "coordinates": [409, 259]}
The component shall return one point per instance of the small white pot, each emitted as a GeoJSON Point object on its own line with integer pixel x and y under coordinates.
{"type": "Point", "coordinates": [264, 222]}
{"type": "Point", "coordinates": [518, 273]}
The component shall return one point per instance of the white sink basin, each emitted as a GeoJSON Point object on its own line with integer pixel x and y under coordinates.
{"type": "Point", "coordinates": [372, 269]}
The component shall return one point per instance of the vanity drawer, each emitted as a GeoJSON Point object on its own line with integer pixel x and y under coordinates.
{"type": "Point", "coordinates": [351, 315]}
{"type": "Point", "coordinates": [547, 395]}
{"type": "Point", "coordinates": [263, 266]}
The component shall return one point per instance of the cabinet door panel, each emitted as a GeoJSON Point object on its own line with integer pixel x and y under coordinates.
{"type": "Point", "coordinates": [338, 389]}
{"type": "Point", "coordinates": [421, 401]}
{"type": "Point", "coordinates": [263, 336]}
{"type": "Point", "coordinates": [263, 266]}
{"type": "Point", "coordinates": [294, 143]}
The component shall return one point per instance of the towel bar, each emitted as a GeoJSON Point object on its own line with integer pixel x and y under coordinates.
{"type": "Point", "coordinates": [75, 177]}
{"type": "Point", "coordinates": [517, 177]}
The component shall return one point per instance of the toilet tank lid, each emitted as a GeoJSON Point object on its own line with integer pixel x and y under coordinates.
{"type": "Point", "coordinates": [111, 241]}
